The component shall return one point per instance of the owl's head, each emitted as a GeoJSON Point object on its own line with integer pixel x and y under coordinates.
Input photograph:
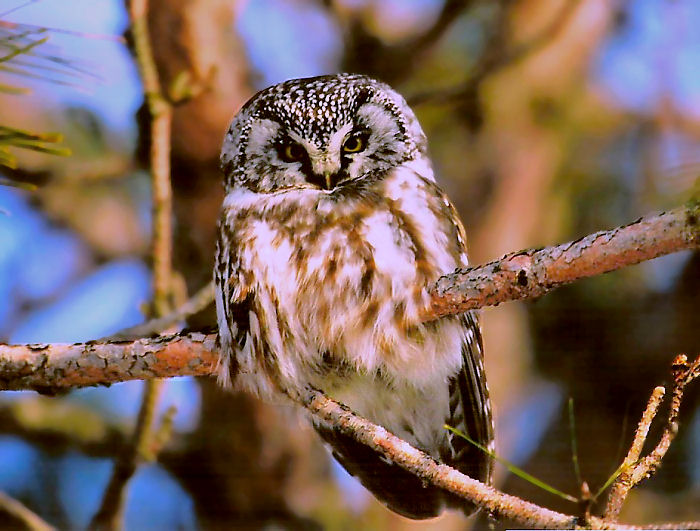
{"type": "Point", "coordinates": [320, 133]}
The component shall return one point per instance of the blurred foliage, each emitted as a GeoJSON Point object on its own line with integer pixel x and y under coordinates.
{"type": "Point", "coordinates": [19, 55]}
{"type": "Point", "coordinates": [61, 418]}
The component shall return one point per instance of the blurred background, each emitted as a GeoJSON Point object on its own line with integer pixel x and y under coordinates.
{"type": "Point", "coordinates": [547, 120]}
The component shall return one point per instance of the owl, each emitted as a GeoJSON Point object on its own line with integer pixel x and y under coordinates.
{"type": "Point", "coordinates": [331, 231]}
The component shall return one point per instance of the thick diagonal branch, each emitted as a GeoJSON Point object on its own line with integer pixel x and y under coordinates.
{"type": "Point", "coordinates": [499, 504]}
{"type": "Point", "coordinates": [400, 452]}
{"type": "Point", "coordinates": [532, 273]}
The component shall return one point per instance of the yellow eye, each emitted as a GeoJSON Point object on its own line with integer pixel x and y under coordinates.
{"type": "Point", "coordinates": [355, 143]}
{"type": "Point", "coordinates": [292, 152]}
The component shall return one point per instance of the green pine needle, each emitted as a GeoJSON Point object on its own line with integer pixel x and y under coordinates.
{"type": "Point", "coordinates": [574, 443]}
{"type": "Point", "coordinates": [515, 469]}
{"type": "Point", "coordinates": [16, 184]}
{"type": "Point", "coordinates": [40, 142]}
{"type": "Point", "coordinates": [609, 481]}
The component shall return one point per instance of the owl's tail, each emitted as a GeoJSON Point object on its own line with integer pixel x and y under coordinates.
{"type": "Point", "coordinates": [398, 489]}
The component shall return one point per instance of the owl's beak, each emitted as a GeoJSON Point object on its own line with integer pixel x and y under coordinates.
{"type": "Point", "coordinates": [326, 171]}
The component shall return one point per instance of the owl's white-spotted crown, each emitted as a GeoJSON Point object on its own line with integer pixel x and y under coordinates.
{"type": "Point", "coordinates": [317, 116]}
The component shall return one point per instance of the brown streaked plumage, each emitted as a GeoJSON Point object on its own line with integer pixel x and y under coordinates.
{"type": "Point", "coordinates": [331, 230]}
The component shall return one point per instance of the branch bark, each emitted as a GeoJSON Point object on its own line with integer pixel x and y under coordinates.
{"type": "Point", "coordinates": [52, 368]}
{"type": "Point", "coordinates": [532, 273]}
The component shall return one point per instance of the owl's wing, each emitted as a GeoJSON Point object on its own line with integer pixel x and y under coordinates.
{"type": "Point", "coordinates": [233, 302]}
{"type": "Point", "coordinates": [470, 409]}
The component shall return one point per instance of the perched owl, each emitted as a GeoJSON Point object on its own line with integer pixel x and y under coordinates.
{"type": "Point", "coordinates": [331, 231]}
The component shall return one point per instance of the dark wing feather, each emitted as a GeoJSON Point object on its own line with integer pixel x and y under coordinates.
{"type": "Point", "coordinates": [469, 412]}
{"type": "Point", "coordinates": [236, 298]}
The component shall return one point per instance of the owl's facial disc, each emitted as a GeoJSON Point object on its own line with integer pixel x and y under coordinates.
{"type": "Point", "coordinates": [321, 133]}
{"type": "Point", "coordinates": [369, 143]}
{"type": "Point", "coordinates": [342, 158]}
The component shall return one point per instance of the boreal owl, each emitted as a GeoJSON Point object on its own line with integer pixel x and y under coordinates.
{"type": "Point", "coordinates": [331, 232]}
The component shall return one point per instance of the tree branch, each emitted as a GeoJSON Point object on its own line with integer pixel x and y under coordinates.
{"type": "Point", "coordinates": [22, 517]}
{"type": "Point", "coordinates": [425, 467]}
{"type": "Point", "coordinates": [161, 114]}
{"type": "Point", "coordinates": [111, 512]}
{"type": "Point", "coordinates": [499, 504]}
{"type": "Point", "coordinates": [365, 53]}
{"type": "Point", "coordinates": [532, 273]}
{"type": "Point", "coordinates": [635, 468]}
{"type": "Point", "coordinates": [522, 275]}
{"type": "Point", "coordinates": [52, 368]}
{"type": "Point", "coordinates": [200, 300]}
{"type": "Point", "coordinates": [496, 56]}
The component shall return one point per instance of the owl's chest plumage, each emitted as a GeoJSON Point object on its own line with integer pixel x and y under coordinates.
{"type": "Point", "coordinates": [339, 284]}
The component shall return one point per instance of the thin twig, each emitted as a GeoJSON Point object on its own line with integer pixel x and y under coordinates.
{"type": "Point", "coordinates": [161, 120]}
{"type": "Point", "coordinates": [110, 514]}
{"type": "Point", "coordinates": [624, 482]}
{"type": "Point", "coordinates": [450, 12]}
{"type": "Point", "coordinates": [366, 53]}
{"type": "Point", "coordinates": [494, 58]}
{"type": "Point", "coordinates": [20, 514]}
{"type": "Point", "coordinates": [636, 469]}
{"type": "Point", "coordinates": [161, 436]}
{"type": "Point", "coordinates": [200, 300]}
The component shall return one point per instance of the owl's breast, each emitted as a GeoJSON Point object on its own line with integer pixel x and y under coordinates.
{"type": "Point", "coordinates": [342, 285]}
